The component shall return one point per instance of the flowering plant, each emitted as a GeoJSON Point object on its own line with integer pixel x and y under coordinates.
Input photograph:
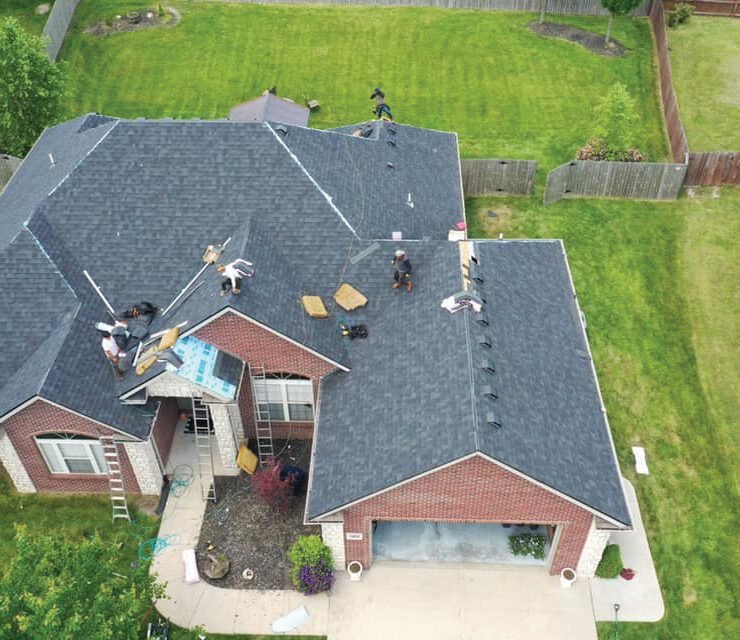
{"type": "Point", "coordinates": [312, 565]}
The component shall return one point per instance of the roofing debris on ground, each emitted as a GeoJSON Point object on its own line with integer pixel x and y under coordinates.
{"type": "Point", "coordinates": [135, 20]}
{"type": "Point", "coordinates": [594, 42]}
{"type": "Point", "coordinates": [250, 533]}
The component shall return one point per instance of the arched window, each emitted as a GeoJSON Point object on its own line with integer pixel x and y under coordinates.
{"type": "Point", "coordinates": [285, 397]}
{"type": "Point", "coordinates": [67, 453]}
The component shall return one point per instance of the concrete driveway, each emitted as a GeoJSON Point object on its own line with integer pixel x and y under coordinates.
{"type": "Point", "coordinates": [458, 602]}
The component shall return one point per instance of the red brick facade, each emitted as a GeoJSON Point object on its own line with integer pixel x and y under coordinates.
{"type": "Point", "coordinates": [42, 417]}
{"type": "Point", "coordinates": [259, 347]}
{"type": "Point", "coordinates": [473, 490]}
{"type": "Point", "coordinates": [163, 431]}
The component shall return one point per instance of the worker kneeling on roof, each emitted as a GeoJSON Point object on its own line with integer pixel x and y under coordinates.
{"type": "Point", "coordinates": [402, 274]}
{"type": "Point", "coordinates": [114, 344]}
{"type": "Point", "coordinates": [233, 274]}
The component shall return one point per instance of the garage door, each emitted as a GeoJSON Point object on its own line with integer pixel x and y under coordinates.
{"type": "Point", "coordinates": [451, 542]}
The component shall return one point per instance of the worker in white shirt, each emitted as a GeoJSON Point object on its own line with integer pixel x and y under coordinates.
{"type": "Point", "coordinates": [233, 274]}
{"type": "Point", "coordinates": [114, 353]}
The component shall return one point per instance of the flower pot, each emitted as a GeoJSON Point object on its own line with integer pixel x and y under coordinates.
{"type": "Point", "coordinates": [567, 578]}
{"type": "Point", "coordinates": [354, 569]}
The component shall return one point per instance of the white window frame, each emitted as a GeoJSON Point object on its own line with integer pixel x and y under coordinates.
{"type": "Point", "coordinates": [281, 381]}
{"type": "Point", "coordinates": [87, 443]}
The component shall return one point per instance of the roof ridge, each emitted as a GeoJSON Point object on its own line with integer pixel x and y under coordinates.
{"type": "Point", "coordinates": [327, 197]}
{"type": "Point", "coordinates": [47, 256]}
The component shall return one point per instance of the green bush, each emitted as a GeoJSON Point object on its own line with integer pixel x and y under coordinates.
{"type": "Point", "coordinates": [312, 565]}
{"type": "Point", "coordinates": [611, 562]}
{"type": "Point", "coordinates": [527, 544]}
{"type": "Point", "coordinates": [615, 122]}
{"type": "Point", "coordinates": [683, 12]}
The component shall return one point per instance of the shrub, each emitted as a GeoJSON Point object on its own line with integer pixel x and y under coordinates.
{"type": "Point", "coordinates": [599, 149]}
{"type": "Point", "coordinates": [312, 565]}
{"type": "Point", "coordinates": [672, 20]}
{"type": "Point", "coordinates": [615, 120]}
{"type": "Point", "coordinates": [611, 562]}
{"type": "Point", "coordinates": [273, 491]}
{"type": "Point", "coordinates": [527, 544]}
{"type": "Point", "coordinates": [683, 12]}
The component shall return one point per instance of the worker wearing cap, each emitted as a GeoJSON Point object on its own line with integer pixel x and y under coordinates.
{"type": "Point", "coordinates": [402, 274]}
{"type": "Point", "coordinates": [232, 275]}
{"type": "Point", "coordinates": [114, 353]}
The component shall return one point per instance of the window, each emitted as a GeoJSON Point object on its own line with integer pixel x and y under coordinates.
{"type": "Point", "coordinates": [68, 453]}
{"type": "Point", "coordinates": [284, 397]}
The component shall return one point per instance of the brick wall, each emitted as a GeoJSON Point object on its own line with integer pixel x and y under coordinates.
{"type": "Point", "coordinates": [40, 418]}
{"type": "Point", "coordinates": [163, 431]}
{"type": "Point", "coordinates": [473, 490]}
{"type": "Point", "coordinates": [259, 347]}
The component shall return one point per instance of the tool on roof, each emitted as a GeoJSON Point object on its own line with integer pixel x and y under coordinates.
{"type": "Point", "coordinates": [211, 254]}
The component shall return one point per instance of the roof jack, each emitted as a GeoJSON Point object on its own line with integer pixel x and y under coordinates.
{"type": "Point", "coordinates": [410, 202]}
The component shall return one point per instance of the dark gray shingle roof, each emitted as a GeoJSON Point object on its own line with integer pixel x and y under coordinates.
{"type": "Point", "coordinates": [272, 108]}
{"type": "Point", "coordinates": [408, 404]}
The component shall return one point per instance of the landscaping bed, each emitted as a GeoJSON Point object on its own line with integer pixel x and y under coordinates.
{"type": "Point", "coordinates": [594, 42]}
{"type": "Point", "coordinates": [136, 20]}
{"type": "Point", "coordinates": [250, 533]}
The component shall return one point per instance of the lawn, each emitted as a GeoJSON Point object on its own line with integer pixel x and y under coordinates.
{"type": "Point", "coordinates": [24, 11]}
{"type": "Point", "coordinates": [507, 91]}
{"type": "Point", "coordinates": [705, 59]}
{"type": "Point", "coordinates": [658, 283]}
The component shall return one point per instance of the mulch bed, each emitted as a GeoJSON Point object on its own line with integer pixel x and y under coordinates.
{"type": "Point", "coordinates": [252, 535]}
{"type": "Point", "coordinates": [142, 19]}
{"type": "Point", "coordinates": [594, 42]}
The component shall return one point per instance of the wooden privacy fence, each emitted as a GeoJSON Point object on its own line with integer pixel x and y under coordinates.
{"type": "Point", "coordinates": [729, 8]}
{"type": "Point", "coordinates": [57, 25]}
{"type": "Point", "coordinates": [674, 126]}
{"type": "Point", "coordinates": [8, 165]}
{"type": "Point", "coordinates": [714, 168]}
{"type": "Point", "coordinates": [491, 176]}
{"type": "Point", "coordinates": [565, 7]}
{"type": "Point", "coordinates": [637, 180]}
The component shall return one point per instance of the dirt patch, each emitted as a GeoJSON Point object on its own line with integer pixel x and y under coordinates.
{"type": "Point", "coordinates": [136, 20]}
{"type": "Point", "coordinates": [594, 42]}
{"type": "Point", "coordinates": [251, 534]}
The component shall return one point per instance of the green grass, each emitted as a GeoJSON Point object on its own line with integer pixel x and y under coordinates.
{"type": "Point", "coordinates": [507, 91]}
{"type": "Point", "coordinates": [658, 283]}
{"type": "Point", "coordinates": [705, 60]}
{"type": "Point", "coordinates": [24, 11]}
{"type": "Point", "coordinates": [178, 633]}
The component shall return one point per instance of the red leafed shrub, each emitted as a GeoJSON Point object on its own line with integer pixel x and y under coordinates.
{"type": "Point", "coordinates": [268, 486]}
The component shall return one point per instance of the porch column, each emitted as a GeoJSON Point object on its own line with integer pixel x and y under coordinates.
{"type": "Point", "coordinates": [224, 436]}
{"type": "Point", "coordinates": [593, 549]}
{"type": "Point", "coordinates": [332, 533]}
{"type": "Point", "coordinates": [16, 469]}
{"type": "Point", "coordinates": [146, 466]}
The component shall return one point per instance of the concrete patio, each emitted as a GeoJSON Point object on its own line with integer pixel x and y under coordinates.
{"type": "Point", "coordinates": [639, 599]}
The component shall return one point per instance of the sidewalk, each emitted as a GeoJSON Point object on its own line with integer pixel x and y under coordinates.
{"type": "Point", "coordinates": [639, 599]}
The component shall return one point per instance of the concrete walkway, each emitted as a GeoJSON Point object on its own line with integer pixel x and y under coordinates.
{"type": "Point", "coordinates": [639, 599]}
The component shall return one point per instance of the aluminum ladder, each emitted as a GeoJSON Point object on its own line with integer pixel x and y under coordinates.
{"type": "Point", "coordinates": [263, 428]}
{"type": "Point", "coordinates": [115, 478]}
{"type": "Point", "coordinates": [204, 448]}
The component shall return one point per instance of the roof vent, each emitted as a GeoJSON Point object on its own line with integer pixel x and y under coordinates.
{"type": "Point", "coordinates": [281, 129]}
{"type": "Point", "coordinates": [489, 392]}
{"type": "Point", "coordinates": [391, 143]}
{"type": "Point", "coordinates": [485, 341]}
{"type": "Point", "coordinates": [389, 165]}
{"type": "Point", "coordinates": [492, 420]}
{"type": "Point", "coordinates": [366, 131]}
{"type": "Point", "coordinates": [487, 366]}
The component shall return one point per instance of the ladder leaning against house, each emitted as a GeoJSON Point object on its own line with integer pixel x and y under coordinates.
{"type": "Point", "coordinates": [204, 448]}
{"type": "Point", "coordinates": [263, 427]}
{"type": "Point", "coordinates": [115, 477]}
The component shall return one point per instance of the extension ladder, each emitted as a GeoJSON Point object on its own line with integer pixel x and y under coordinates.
{"type": "Point", "coordinates": [204, 448]}
{"type": "Point", "coordinates": [263, 428]}
{"type": "Point", "coordinates": [115, 477]}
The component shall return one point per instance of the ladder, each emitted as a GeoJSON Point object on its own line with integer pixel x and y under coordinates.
{"type": "Point", "coordinates": [204, 448]}
{"type": "Point", "coordinates": [115, 477]}
{"type": "Point", "coordinates": [263, 428]}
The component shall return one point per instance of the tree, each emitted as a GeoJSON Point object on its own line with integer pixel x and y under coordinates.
{"type": "Point", "coordinates": [273, 491]}
{"type": "Point", "coordinates": [615, 119]}
{"type": "Point", "coordinates": [61, 590]}
{"type": "Point", "coordinates": [618, 8]}
{"type": "Point", "coordinates": [543, 11]}
{"type": "Point", "coordinates": [31, 88]}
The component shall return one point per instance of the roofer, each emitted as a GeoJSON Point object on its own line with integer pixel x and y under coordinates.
{"type": "Point", "coordinates": [402, 274]}
{"type": "Point", "coordinates": [114, 353]}
{"type": "Point", "coordinates": [381, 108]}
{"type": "Point", "coordinates": [233, 274]}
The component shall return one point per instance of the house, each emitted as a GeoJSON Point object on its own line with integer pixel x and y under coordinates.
{"type": "Point", "coordinates": [473, 398]}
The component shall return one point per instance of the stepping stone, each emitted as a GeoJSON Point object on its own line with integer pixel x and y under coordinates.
{"type": "Point", "coordinates": [42, 9]}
